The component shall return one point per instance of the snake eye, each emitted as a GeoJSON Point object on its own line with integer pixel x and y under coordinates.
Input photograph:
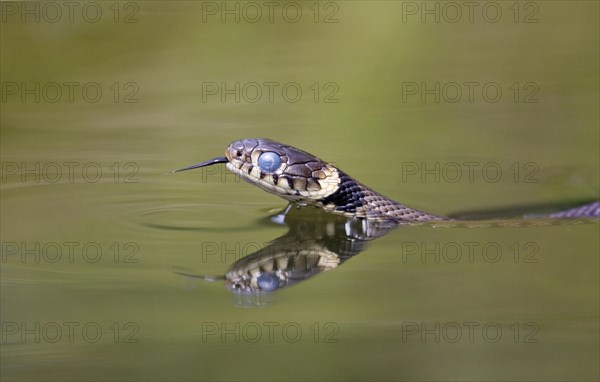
{"type": "Point", "coordinates": [269, 161]}
{"type": "Point", "coordinates": [268, 282]}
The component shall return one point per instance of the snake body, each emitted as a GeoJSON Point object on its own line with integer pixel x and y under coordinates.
{"type": "Point", "coordinates": [304, 179]}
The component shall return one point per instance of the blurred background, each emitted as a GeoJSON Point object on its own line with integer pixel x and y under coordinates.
{"type": "Point", "coordinates": [100, 100]}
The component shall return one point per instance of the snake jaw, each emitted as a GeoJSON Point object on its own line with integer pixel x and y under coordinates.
{"type": "Point", "coordinates": [307, 191]}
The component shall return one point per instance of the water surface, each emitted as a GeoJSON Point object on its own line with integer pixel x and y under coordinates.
{"type": "Point", "coordinates": [518, 303]}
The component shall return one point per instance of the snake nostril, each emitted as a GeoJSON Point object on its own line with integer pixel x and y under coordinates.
{"type": "Point", "coordinates": [238, 153]}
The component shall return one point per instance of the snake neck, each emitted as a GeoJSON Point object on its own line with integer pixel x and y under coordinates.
{"type": "Point", "coordinates": [354, 199]}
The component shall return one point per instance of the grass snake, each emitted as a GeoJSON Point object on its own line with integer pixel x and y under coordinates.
{"type": "Point", "coordinates": [304, 179]}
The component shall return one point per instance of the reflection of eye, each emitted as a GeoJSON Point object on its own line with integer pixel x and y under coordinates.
{"type": "Point", "coordinates": [268, 282]}
{"type": "Point", "coordinates": [269, 161]}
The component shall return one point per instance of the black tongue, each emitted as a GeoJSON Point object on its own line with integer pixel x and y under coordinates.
{"type": "Point", "coordinates": [209, 162]}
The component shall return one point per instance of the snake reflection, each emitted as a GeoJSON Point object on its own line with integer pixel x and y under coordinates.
{"type": "Point", "coordinates": [316, 242]}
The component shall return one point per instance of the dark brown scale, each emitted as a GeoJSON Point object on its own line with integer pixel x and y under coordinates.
{"type": "Point", "coordinates": [298, 170]}
{"type": "Point", "coordinates": [290, 182]}
{"type": "Point", "coordinates": [314, 166]}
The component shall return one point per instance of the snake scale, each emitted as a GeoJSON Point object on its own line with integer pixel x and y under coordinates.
{"type": "Point", "coordinates": [304, 179]}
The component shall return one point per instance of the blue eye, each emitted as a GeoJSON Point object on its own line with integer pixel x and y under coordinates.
{"type": "Point", "coordinates": [268, 282]}
{"type": "Point", "coordinates": [269, 161]}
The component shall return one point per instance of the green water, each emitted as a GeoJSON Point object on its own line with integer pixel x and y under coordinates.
{"type": "Point", "coordinates": [87, 181]}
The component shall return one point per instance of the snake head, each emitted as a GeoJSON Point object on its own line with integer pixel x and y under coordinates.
{"type": "Point", "coordinates": [283, 170]}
